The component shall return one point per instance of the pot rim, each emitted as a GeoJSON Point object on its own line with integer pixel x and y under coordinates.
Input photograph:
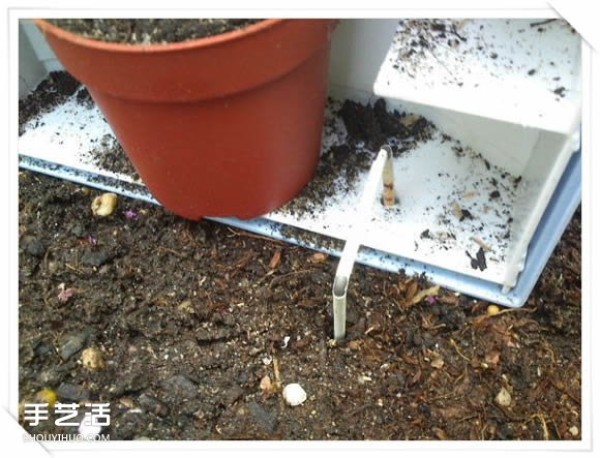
{"type": "Point", "coordinates": [100, 45]}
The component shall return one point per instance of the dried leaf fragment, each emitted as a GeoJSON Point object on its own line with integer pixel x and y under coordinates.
{"type": "Point", "coordinates": [266, 386]}
{"type": "Point", "coordinates": [275, 260]}
{"type": "Point", "coordinates": [493, 357]}
{"type": "Point", "coordinates": [432, 291]}
{"type": "Point", "coordinates": [413, 287]}
{"type": "Point", "coordinates": [437, 363]}
{"type": "Point", "coordinates": [440, 433]}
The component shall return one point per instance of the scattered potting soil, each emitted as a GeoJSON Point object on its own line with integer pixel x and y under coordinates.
{"type": "Point", "coordinates": [109, 155]}
{"type": "Point", "coordinates": [53, 90]}
{"type": "Point", "coordinates": [367, 128]}
{"type": "Point", "coordinates": [223, 320]}
{"type": "Point", "coordinates": [439, 49]}
{"type": "Point", "coordinates": [150, 31]}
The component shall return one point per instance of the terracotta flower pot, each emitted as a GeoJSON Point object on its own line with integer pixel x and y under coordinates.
{"type": "Point", "coordinates": [228, 125]}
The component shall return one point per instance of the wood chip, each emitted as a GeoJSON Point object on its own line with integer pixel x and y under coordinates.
{"type": "Point", "coordinates": [492, 357]}
{"type": "Point", "coordinates": [411, 291]}
{"type": "Point", "coordinates": [439, 433]}
{"type": "Point", "coordinates": [354, 344]}
{"type": "Point", "coordinates": [482, 244]}
{"type": "Point", "coordinates": [265, 385]}
{"type": "Point", "coordinates": [275, 260]}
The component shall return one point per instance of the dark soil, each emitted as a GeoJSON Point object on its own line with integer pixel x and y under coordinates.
{"type": "Point", "coordinates": [150, 31]}
{"type": "Point", "coordinates": [190, 319]}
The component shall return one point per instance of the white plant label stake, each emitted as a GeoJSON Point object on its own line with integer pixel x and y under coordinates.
{"type": "Point", "coordinates": [383, 162]}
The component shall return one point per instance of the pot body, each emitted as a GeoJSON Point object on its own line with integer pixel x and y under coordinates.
{"type": "Point", "coordinates": [222, 126]}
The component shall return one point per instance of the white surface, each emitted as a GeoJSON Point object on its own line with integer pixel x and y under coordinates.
{"type": "Point", "coordinates": [488, 74]}
{"type": "Point", "coordinates": [509, 88]}
{"type": "Point", "coordinates": [358, 48]}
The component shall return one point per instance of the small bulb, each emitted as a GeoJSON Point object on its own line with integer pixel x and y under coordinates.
{"type": "Point", "coordinates": [493, 310]}
{"type": "Point", "coordinates": [105, 204]}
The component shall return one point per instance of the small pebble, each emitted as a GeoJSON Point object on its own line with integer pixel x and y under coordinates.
{"type": "Point", "coordinates": [294, 394]}
{"type": "Point", "coordinates": [72, 392]}
{"type": "Point", "coordinates": [51, 376]}
{"type": "Point", "coordinates": [92, 358]}
{"type": "Point", "coordinates": [46, 396]}
{"type": "Point", "coordinates": [265, 418]}
{"type": "Point", "coordinates": [34, 247]}
{"type": "Point", "coordinates": [438, 363]}
{"type": "Point", "coordinates": [95, 258]}
{"type": "Point", "coordinates": [72, 344]}
{"type": "Point", "coordinates": [152, 405]}
{"type": "Point", "coordinates": [180, 387]}
{"type": "Point", "coordinates": [77, 230]}
{"type": "Point", "coordinates": [574, 430]}
{"type": "Point", "coordinates": [503, 398]}
{"type": "Point", "coordinates": [43, 349]}
{"type": "Point", "coordinates": [186, 306]}
{"type": "Point", "coordinates": [132, 381]}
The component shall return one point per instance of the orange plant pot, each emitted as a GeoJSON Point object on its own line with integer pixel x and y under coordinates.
{"type": "Point", "coordinates": [228, 125]}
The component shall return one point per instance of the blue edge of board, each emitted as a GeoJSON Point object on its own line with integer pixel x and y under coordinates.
{"type": "Point", "coordinates": [563, 204]}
